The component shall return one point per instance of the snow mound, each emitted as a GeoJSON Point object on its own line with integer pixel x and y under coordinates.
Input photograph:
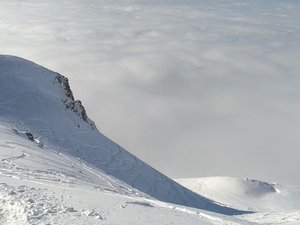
{"type": "Point", "coordinates": [229, 185]}
{"type": "Point", "coordinates": [245, 193]}
{"type": "Point", "coordinates": [38, 104]}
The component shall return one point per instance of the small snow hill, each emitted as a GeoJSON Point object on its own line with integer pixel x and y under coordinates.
{"type": "Point", "coordinates": [37, 104]}
{"type": "Point", "coordinates": [246, 194]}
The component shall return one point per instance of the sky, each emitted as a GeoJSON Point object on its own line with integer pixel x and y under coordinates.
{"type": "Point", "coordinates": [194, 88]}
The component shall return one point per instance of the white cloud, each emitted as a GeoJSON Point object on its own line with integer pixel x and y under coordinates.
{"type": "Point", "coordinates": [195, 88]}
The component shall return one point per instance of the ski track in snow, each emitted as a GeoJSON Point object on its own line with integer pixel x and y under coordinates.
{"type": "Point", "coordinates": [28, 204]}
{"type": "Point", "coordinates": [24, 205]}
{"type": "Point", "coordinates": [10, 167]}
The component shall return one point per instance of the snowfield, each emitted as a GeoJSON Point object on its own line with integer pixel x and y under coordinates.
{"type": "Point", "coordinates": [57, 168]}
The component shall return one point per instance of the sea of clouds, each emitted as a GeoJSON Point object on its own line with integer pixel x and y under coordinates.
{"type": "Point", "coordinates": [193, 87]}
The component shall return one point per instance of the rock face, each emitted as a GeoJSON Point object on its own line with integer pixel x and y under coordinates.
{"type": "Point", "coordinates": [30, 136]}
{"type": "Point", "coordinates": [70, 102]}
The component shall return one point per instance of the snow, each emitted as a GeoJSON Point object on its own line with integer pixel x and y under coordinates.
{"type": "Point", "coordinates": [53, 205]}
{"type": "Point", "coordinates": [43, 186]}
{"type": "Point", "coordinates": [246, 193]}
{"type": "Point", "coordinates": [273, 203]}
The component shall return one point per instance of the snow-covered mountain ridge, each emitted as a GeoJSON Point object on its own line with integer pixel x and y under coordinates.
{"type": "Point", "coordinates": [40, 103]}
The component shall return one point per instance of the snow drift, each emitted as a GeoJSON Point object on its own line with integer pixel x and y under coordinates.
{"type": "Point", "coordinates": [247, 194]}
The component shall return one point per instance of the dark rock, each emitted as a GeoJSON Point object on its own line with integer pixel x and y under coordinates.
{"type": "Point", "coordinates": [65, 84]}
{"type": "Point", "coordinates": [30, 136]}
{"type": "Point", "coordinates": [70, 102]}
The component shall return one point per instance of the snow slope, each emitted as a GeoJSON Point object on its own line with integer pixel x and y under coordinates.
{"type": "Point", "coordinates": [38, 104]}
{"type": "Point", "coordinates": [43, 186]}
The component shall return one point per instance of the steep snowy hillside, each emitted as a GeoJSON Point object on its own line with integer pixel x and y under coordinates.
{"type": "Point", "coordinates": [40, 186]}
{"type": "Point", "coordinates": [38, 104]}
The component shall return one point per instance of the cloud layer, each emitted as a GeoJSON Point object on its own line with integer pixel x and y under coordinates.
{"type": "Point", "coordinates": [195, 88]}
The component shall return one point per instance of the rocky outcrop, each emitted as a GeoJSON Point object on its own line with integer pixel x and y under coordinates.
{"type": "Point", "coordinates": [65, 84]}
{"type": "Point", "coordinates": [70, 102]}
{"type": "Point", "coordinates": [29, 136]}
